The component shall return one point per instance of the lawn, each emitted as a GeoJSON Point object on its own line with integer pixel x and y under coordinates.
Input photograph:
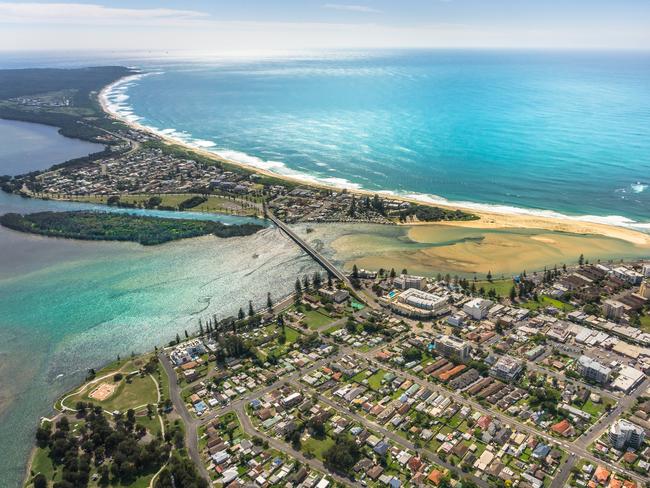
{"type": "Point", "coordinates": [41, 463]}
{"type": "Point", "coordinates": [374, 381]}
{"type": "Point", "coordinates": [135, 392]}
{"type": "Point", "coordinates": [292, 335]}
{"type": "Point", "coordinates": [545, 301]}
{"type": "Point", "coordinates": [315, 319]}
{"type": "Point", "coordinates": [645, 323]}
{"type": "Point", "coordinates": [501, 287]}
{"type": "Point", "coordinates": [214, 204]}
{"type": "Point", "coordinates": [596, 409]}
{"type": "Point", "coordinates": [317, 446]}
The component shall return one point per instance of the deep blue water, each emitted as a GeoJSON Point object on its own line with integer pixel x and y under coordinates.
{"type": "Point", "coordinates": [559, 131]}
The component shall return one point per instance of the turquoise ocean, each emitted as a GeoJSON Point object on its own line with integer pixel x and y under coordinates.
{"type": "Point", "coordinates": [540, 132]}
{"type": "Point", "coordinates": [531, 132]}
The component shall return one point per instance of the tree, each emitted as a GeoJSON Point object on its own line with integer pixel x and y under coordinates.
{"type": "Point", "coordinates": [317, 280]}
{"type": "Point", "coordinates": [269, 302]}
{"type": "Point", "coordinates": [489, 276]}
{"type": "Point", "coordinates": [298, 287]}
{"type": "Point", "coordinates": [392, 273]}
{"type": "Point", "coordinates": [241, 314]}
{"type": "Point", "coordinates": [581, 260]}
{"type": "Point", "coordinates": [329, 280]}
{"type": "Point", "coordinates": [513, 293]}
{"type": "Point", "coordinates": [355, 272]}
{"type": "Point", "coordinates": [40, 481]}
{"type": "Point", "coordinates": [343, 454]}
{"type": "Point", "coordinates": [251, 311]}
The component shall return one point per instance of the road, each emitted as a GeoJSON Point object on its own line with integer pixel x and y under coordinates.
{"type": "Point", "coordinates": [281, 446]}
{"type": "Point", "coordinates": [577, 448]}
{"type": "Point", "coordinates": [191, 425]}
{"type": "Point", "coordinates": [393, 436]}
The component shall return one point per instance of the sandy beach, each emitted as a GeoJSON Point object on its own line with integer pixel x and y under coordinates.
{"type": "Point", "coordinates": [488, 219]}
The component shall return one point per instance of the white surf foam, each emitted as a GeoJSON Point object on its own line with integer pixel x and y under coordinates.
{"type": "Point", "coordinates": [115, 98]}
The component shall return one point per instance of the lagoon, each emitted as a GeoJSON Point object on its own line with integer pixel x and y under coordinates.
{"type": "Point", "coordinates": [28, 147]}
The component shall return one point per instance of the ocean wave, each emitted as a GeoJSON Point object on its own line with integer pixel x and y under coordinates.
{"type": "Point", "coordinates": [115, 98]}
{"type": "Point", "coordinates": [615, 220]}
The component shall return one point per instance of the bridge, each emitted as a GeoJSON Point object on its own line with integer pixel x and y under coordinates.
{"type": "Point", "coordinates": [322, 260]}
{"type": "Point", "coordinates": [318, 257]}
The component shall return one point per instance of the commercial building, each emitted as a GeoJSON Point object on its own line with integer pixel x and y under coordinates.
{"type": "Point", "coordinates": [629, 275]}
{"type": "Point", "coordinates": [404, 282]}
{"type": "Point", "coordinates": [624, 434]}
{"type": "Point", "coordinates": [506, 368]}
{"type": "Point", "coordinates": [628, 379]}
{"type": "Point", "coordinates": [419, 304]}
{"type": "Point", "coordinates": [592, 370]}
{"type": "Point", "coordinates": [453, 348]}
{"type": "Point", "coordinates": [477, 308]}
{"type": "Point", "coordinates": [646, 270]}
{"type": "Point", "coordinates": [337, 296]}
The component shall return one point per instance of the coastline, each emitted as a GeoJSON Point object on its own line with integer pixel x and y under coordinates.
{"type": "Point", "coordinates": [488, 218]}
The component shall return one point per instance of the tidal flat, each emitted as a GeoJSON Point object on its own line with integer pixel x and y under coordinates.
{"type": "Point", "coordinates": [462, 250]}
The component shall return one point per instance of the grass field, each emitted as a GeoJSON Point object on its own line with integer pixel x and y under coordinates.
{"type": "Point", "coordinates": [501, 287]}
{"type": "Point", "coordinates": [645, 323]}
{"type": "Point", "coordinates": [315, 319]}
{"type": "Point", "coordinates": [596, 409]}
{"type": "Point", "coordinates": [214, 204]}
{"type": "Point", "coordinates": [317, 446]}
{"type": "Point", "coordinates": [374, 381]}
{"type": "Point", "coordinates": [545, 301]}
{"type": "Point", "coordinates": [129, 393]}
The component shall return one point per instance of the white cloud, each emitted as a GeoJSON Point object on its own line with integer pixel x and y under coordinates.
{"type": "Point", "coordinates": [86, 13]}
{"type": "Point", "coordinates": [352, 8]}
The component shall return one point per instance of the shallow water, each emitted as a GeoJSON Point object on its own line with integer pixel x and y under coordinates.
{"type": "Point", "coordinates": [67, 305]}
{"type": "Point", "coordinates": [464, 251]}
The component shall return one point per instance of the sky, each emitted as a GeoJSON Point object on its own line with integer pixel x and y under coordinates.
{"type": "Point", "coordinates": [287, 25]}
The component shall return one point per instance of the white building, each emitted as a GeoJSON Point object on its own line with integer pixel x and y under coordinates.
{"type": "Point", "coordinates": [629, 275]}
{"type": "Point", "coordinates": [477, 308]}
{"type": "Point", "coordinates": [419, 304]}
{"type": "Point", "coordinates": [453, 348]}
{"type": "Point", "coordinates": [506, 368]}
{"type": "Point", "coordinates": [628, 378]}
{"type": "Point", "coordinates": [623, 434]}
{"type": "Point", "coordinates": [404, 282]}
{"type": "Point", "coordinates": [593, 370]}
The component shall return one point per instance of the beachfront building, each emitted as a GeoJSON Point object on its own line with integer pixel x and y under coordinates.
{"type": "Point", "coordinates": [624, 434]}
{"type": "Point", "coordinates": [592, 370]}
{"type": "Point", "coordinates": [418, 304]}
{"type": "Point", "coordinates": [404, 282]}
{"type": "Point", "coordinates": [477, 308]}
{"type": "Point", "coordinates": [453, 348]}
{"type": "Point", "coordinates": [336, 295]}
{"type": "Point", "coordinates": [628, 275]}
{"type": "Point", "coordinates": [506, 368]}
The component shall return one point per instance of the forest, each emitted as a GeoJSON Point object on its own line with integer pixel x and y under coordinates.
{"type": "Point", "coordinates": [105, 226]}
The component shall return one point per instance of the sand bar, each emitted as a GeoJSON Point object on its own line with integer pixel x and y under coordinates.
{"type": "Point", "coordinates": [487, 219]}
